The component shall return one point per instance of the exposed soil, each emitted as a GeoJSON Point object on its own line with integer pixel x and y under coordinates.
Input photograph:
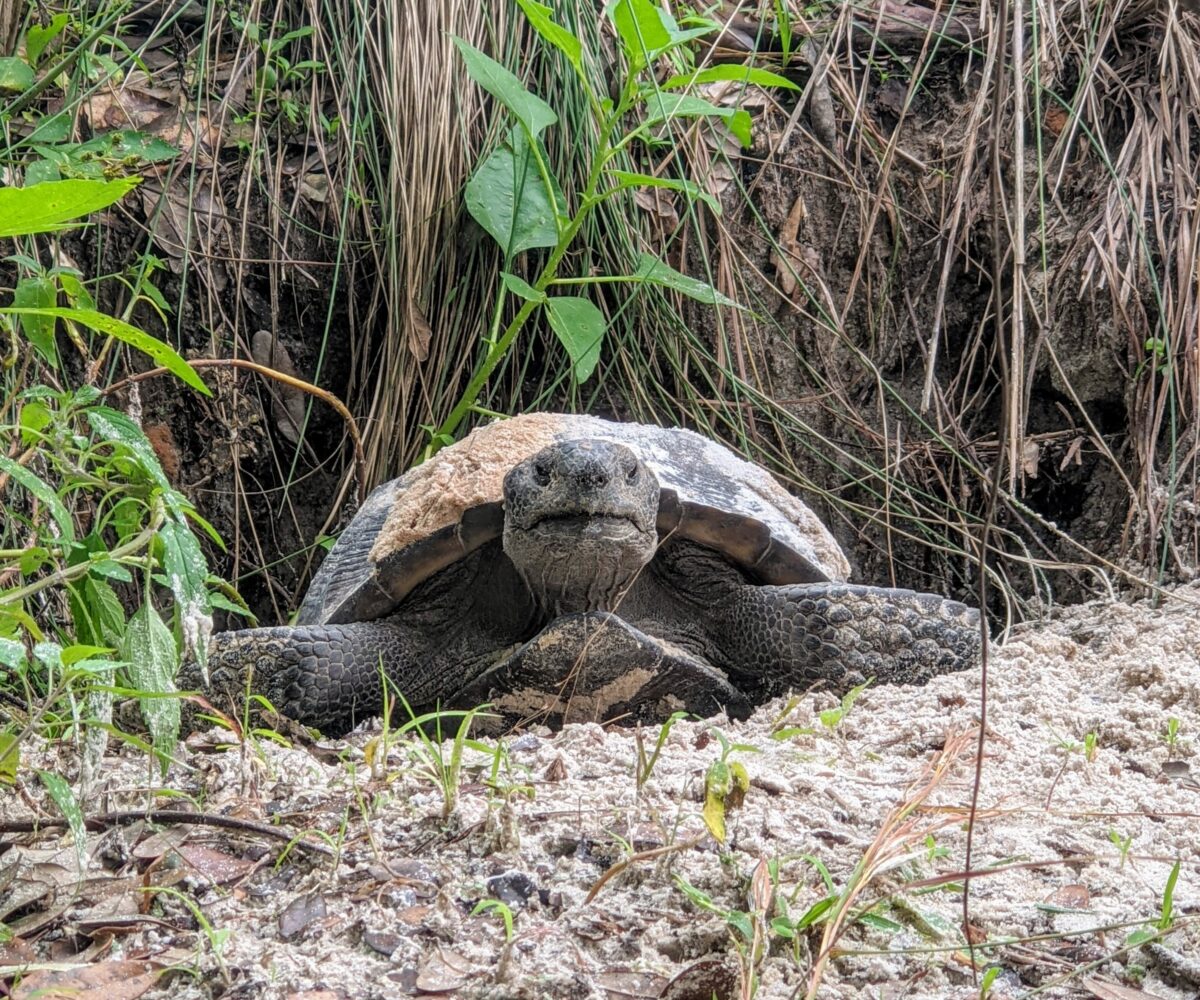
{"type": "Point", "coordinates": [1074, 850]}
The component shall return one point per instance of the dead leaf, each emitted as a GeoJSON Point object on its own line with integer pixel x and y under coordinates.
{"type": "Point", "coordinates": [1111, 991]}
{"type": "Point", "coordinates": [787, 259]}
{"type": "Point", "coordinates": [1070, 897]}
{"type": "Point", "coordinates": [102, 981]}
{"type": "Point", "coordinates": [1073, 454]}
{"type": "Point", "coordinates": [315, 187]}
{"type": "Point", "coordinates": [300, 914]}
{"type": "Point", "coordinates": [1029, 458]}
{"type": "Point", "coordinates": [184, 220]}
{"type": "Point", "coordinates": [287, 402]}
{"type": "Point", "coordinates": [420, 334]}
{"type": "Point", "coordinates": [660, 203]}
{"type": "Point", "coordinates": [216, 866]}
{"type": "Point", "coordinates": [442, 971]}
{"type": "Point", "coordinates": [16, 952]}
{"type": "Point", "coordinates": [621, 984]}
{"type": "Point", "coordinates": [710, 977]}
{"type": "Point", "coordinates": [383, 942]}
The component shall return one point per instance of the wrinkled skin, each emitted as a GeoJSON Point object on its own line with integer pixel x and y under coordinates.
{"type": "Point", "coordinates": [579, 612]}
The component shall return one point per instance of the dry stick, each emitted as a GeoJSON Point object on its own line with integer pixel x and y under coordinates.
{"type": "Point", "coordinates": [295, 383]}
{"type": "Point", "coordinates": [1000, 88]}
{"type": "Point", "coordinates": [126, 817]}
{"type": "Point", "coordinates": [650, 855]}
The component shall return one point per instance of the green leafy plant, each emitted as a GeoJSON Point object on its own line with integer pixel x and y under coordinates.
{"type": "Point", "coordinates": [94, 526]}
{"type": "Point", "coordinates": [1171, 736]}
{"type": "Point", "coordinates": [831, 718]}
{"type": "Point", "coordinates": [1122, 844]}
{"type": "Point", "coordinates": [644, 767]}
{"type": "Point", "coordinates": [1166, 914]}
{"type": "Point", "coordinates": [445, 770]}
{"type": "Point", "coordinates": [725, 785]}
{"type": "Point", "coordinates": [516, 198]}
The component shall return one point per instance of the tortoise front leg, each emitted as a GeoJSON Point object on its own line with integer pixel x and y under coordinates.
{"type": "Point", "coordinates": [326, 676]}
{"type": "Point", "coordinates": [842, 634]}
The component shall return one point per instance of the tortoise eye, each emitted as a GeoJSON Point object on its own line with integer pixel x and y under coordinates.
{"type": "Point", "coordinates": [541, 472]}
{"type": "Point", "coordinates": [632, 474]}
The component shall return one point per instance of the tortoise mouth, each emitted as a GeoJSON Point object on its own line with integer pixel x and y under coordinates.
{"type": "Point", "coordinates": [586, 526]}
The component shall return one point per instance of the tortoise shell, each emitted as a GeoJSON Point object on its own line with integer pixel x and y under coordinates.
{"type": "Point", "coordinates": [435, 514]}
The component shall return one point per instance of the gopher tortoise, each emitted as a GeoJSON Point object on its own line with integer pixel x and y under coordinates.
{"type": "Point", "coordinates": [571, 568]}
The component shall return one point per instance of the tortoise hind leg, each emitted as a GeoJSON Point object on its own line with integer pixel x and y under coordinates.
{"type": "Point", "coordinates": [842, 634]}
{"type": "Point", "coordinates": [596, 667]}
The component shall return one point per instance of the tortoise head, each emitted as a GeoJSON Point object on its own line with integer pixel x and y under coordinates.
{"type": "Point", "coordinates": [579, 523]}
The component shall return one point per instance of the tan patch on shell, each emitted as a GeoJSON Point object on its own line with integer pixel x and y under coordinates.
{"type": "Point", "coordinates": [595, 706]}
{"type": "Point", "coordinates": [466, 474]}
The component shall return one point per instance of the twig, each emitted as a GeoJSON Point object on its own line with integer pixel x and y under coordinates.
{"type": "Point", "coordinates": [103, 821]}
{"type": "Point", "coordinates": [360, 462]}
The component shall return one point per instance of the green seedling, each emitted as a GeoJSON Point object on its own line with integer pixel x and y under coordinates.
{"type": "Point", "coordinates": [831, 718]}
{"type": "Point", "coordinates": [444, 770]}
{"type": "Point", "coordinates": [1166, 914]}
{"type": "Point", "coordinates": [1122, 844]}
{"type": "Point", "coordinates": [1171, 736]}
{"type": "Point", "coordinates": [645, 763]}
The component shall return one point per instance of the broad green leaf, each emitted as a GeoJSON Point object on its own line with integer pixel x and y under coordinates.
{"type": "Point", "coordinates": [38, 293]}
{"type": "Point", "coordinates": [113, 427]}
{"type": "Point", "coordinates": [41, 172]}
{"type": "Point", "coordinates": [532, 112]}
{"type": "Point", "coordinates": [580, 326]}
{"type": "Point", "coordinates": [98, 614]}
{"type": "Point", "coordinates": [51, 206]}
{"type": "Point", "coordinates": [37, 37]}
{"type": "Point", "coordinates": [64, 798]}
{"type": "Point", "coordinates": [185, 567]}
{"type": "Point", "coordinates": [35, 417]}
{"type": "Point", "coordinates": [15, 75]}
{"type": "Point", "coordinates": [730, 71]}
{"type": "Point", "coordinates": [642, 29]}
{"type": "Point", "coordinates": [539, 15]}
{"type": "Point", "coordinates": [163, 354]}
{"type": "Point", "coordinates": [662, 107]}
{"type": "Point", "coordinates": [45, 494]}
{"type": "Point", "coordinates": [149, 649]}
{"type": "Point", "coordinates": [656, 272]}
{"type": "Point", "coordinates": [53, 128]}
{"type": "Point", "coordinates": [625, 178]}
{"type": "Point", "coordinates": [12, 654]}
{"type": "Point", "coordinates": [112, 570]}
{"type": "Point", "coordinates": [77, 293]}
{"type": "Point", "coordinates": [521, 288]}
{"type": "Point", "coordinates": [32, 559]}
{"type": "Point", "coordinates": [72, 655]}
{"type": "Point", "coordinates": [121, 145]}
{"type": "Point", "coordinates": [10, 757]}
{"type": "Point", "coordinates": [507, 197]}
{"type": "Point", "coordinates": [816, 912]}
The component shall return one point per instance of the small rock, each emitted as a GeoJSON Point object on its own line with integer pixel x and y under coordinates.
{"type": "Point", "coordinates": [512, 888]}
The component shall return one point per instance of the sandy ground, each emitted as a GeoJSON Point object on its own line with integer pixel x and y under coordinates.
{"type": "Point", "coordinates": [1075, 841]}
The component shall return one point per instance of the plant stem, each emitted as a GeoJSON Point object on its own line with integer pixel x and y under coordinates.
{"type": "Point", "coordinates": [498, 349]}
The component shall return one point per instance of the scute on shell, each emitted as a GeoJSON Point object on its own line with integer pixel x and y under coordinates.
{"type": "Point", "coordinates": [433, 515]}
